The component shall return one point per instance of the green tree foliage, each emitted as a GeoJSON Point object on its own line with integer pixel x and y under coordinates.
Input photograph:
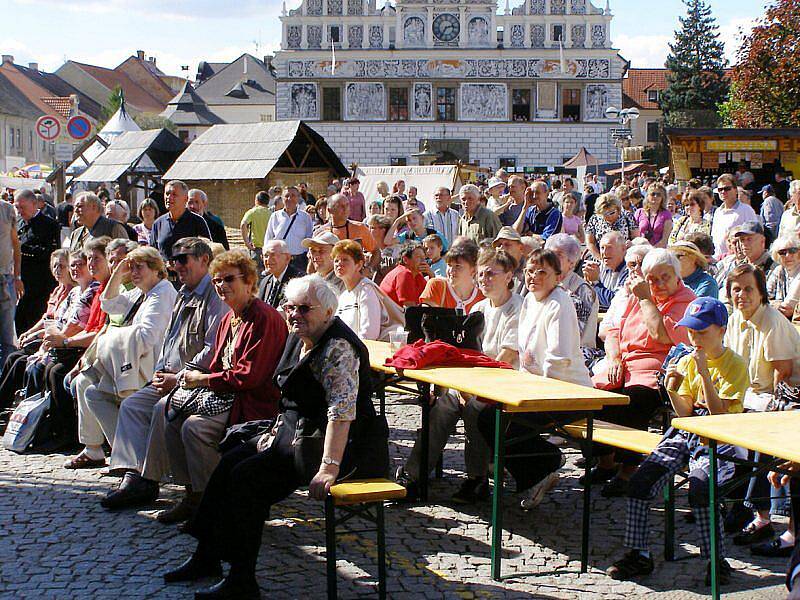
{"type": "Point", "coordinates": [696, 64]}
{"type": "Point", "coordinates": [112, 106]}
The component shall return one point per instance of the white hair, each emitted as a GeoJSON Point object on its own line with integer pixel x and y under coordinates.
{"type": "Point", "coordinates": [314, 288]}
{"type": "Point", "coordinates": [200, 193]}
{"type": "Point", "coordinates": [660, 256]}
{"type": "Point", "coordinates": [337, 199]}
{"type": "Point", "coordinates": [566, 243]}
{"type": "Point", "coordinates": [278, 245]}
{"type": "Point", "coordinates": [637, 252]}
{"type": "Point", "coordinates": [90, 198]}
{"type": "Point", "coordinates": [470, 189]}
{"type": "Point", "coordinates": [613, 237]}
{"type": "Point", "coordinates": [783, 242]}
{"type": "Point", "coordinates": [120, 205]}
{"type": "Point", "coordinates": [794, 186]}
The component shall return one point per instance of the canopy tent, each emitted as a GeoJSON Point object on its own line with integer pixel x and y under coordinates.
{"type": "Point", "coordinates": [583, 158]}
{"type": "Point", "coordinates": [632, 168]}
{"type": "Point", "coordinates": [22, 183]}
{"type": "Point", "coordinates": [118, 124]}
{"type": "Point", "coordinates": [425, 178]}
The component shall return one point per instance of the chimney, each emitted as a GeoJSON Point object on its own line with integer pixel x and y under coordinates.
{"type": "Point", "coordinates": [8, 58]}
{"type": "Point", "coordinates": [33, 65]}
{"type": "Point", "coordinates": [268, 61]}
{"type": "Point", "coordinates": [140, 54]}
{"type": "Point", "coordinates": [152, 59]}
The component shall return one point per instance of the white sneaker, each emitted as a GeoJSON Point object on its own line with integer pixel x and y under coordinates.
{"type": "Point", "coordinates": [535, 495]}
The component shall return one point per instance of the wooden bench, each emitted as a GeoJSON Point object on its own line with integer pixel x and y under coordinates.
{"type": "Point", "coordinates": [362, 498]}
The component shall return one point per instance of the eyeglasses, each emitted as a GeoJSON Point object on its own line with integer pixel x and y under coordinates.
{"type": "Point", "coordinates": [786, 251]}
{"type": "Point", "coordinates": [725, 188]}
{"type": "Point", "coordinates": [303, 309]}
{"type": "Point", "coordinates": [181, 259]}
{"type": "Point", "coordinates": [680, 255]}
{"type": "Point", "coordinates": [229, 279]}
{"type": "Point", "coordinates": [488, 274]}
{"type": "Point", "coordinates": [633, 264]}
{"type": "Point", "coordinates": [538, 272]}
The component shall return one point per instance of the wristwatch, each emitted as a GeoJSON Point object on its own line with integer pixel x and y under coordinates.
{"type": "Point", "coordinates": [65, 342]}
{"type": "Point", "coordinates": [327, 460]}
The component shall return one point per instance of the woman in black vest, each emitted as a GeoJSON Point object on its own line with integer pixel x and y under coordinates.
{"type": "Point", "coordinates": [327, 430]}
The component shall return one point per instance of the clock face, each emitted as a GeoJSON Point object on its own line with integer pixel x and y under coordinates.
{"type": "Point", "coordinates": [446, 27]}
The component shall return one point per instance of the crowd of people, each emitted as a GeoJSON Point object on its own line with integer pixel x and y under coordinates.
{"type": "Point", "coordinates": [161, 348]}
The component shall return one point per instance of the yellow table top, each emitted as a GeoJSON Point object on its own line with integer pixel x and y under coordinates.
{"type": "Point", "coordinates": [773, 433]}
{"type": "Point", "coordinates": [516, 390]}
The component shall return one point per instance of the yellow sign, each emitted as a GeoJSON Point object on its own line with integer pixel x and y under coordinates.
{"type": "Point", "coordinates": [734, 145]}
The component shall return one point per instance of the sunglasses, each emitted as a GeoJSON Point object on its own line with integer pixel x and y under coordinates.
{"type": "Point", "coordinates": [725, 188]}
{"type": "Point", "coordinates": [229, 279]}
{"type": "Point", "coordinates": [181, 259]}
{"type": "Point", "coordinates": [786, 251]}
{"type": "Point", "coordinates": [303, 309]}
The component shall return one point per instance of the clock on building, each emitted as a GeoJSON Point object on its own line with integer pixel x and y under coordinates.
{"type": "Point", "coordinates": [446, 27]}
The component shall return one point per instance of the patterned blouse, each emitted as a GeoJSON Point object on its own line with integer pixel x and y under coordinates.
{"type": "Point", "coordinates": [76, 308]}
{"type": "Point", "coordinates": [778, 282]}
{"type": "Point", "coordinates": [336, 368]}
{"type": "Point", "coordinates": [598, 226]}
{"type": "Point", "coordinates": [684, 226]}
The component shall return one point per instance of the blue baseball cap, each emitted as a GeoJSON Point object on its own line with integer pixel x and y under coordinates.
{"type": "Point", "coordinates": [703, 312]}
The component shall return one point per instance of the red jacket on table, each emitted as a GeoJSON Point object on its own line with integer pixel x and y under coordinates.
{"type": "Point", "coordinates": [256, 352]}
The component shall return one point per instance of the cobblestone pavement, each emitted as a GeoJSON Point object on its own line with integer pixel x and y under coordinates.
{"type": "Point", "coordinates": [56, 542]}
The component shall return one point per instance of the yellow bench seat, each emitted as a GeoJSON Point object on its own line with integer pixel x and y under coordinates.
{"type": "Point", "coordinates": [619, 436]}
{"type": "Point", "coordinates": [366, 490]}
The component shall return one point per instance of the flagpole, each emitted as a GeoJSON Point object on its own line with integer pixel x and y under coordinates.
{"type": "Point", "coordinates": [333, 58]}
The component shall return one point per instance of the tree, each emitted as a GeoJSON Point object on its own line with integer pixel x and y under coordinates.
{"type": "Point", "coordinates": [767, 75]}
{"type": "Point", "coordinates": [154, 121]}
{"type": "Point", "coordinates": [696, 65]}
{"type": "Point", "coordinates": [112, 106]}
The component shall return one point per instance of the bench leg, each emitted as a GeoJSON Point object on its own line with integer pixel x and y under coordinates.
{"type": "Point", "coordinates": [379, 514]}
{"type": "Point", "coordinates": [714, 508]}
{"type": "Point", "coordinates": [425, 403]}
{"type": "Point", "coordinates": [587, 495]}
{"type": "Point", "coordinates": [669, 520]}
{"type": "Point", "coordinates": [497, 496]}
{"type": "Point", "coordinates": [330, 547]}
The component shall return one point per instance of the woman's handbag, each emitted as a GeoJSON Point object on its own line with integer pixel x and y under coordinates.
{"type": "Point", "coordinates": [308, 445]}
{"type": "Point", "coordinates": [198, 401]}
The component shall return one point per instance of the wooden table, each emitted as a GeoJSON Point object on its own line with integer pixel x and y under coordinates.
{"type": "Point", "coordinates": [773, 434]}
{"type": "Point", "coordinates": [513, 392]}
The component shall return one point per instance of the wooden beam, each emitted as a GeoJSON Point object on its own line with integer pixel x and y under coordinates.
{"type": "Point", "coordinates": [320, 152]}
{"type": "Point", "coordinates": [289, 156]}
{"type": "Point", "coordinates": [305, 156]}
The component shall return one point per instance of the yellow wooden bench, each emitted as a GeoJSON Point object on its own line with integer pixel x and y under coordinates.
{"type": "Point", "coordinates": [358, 498]}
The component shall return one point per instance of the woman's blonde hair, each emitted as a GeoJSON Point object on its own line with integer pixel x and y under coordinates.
{"type": "Point", "coordinates": [151, 257]}
{"type": "Point", "coordinates": [236, 259]}
{"type": "Point", "coordinates": [349, 247]}
{"type": "Point", "coordinates": [606, 201]}
{"type": "Point", "coordinates": [661, 190]}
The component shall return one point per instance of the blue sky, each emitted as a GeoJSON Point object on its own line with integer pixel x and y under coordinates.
{"type": "Point", "coordinates": [184, 32]}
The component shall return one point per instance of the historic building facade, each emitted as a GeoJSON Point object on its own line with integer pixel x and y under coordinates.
{"type": "Point", "coordinates": [524, 88]}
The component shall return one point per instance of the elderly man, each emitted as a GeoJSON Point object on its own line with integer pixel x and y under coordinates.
{"type": "Point", "coordinates": [198, 203]}
{"type": "Point", "coordinates": [321, 262]}
{"type": "Point", "coordinates": [292, 226]}
{"type": "Point", "coordinates": [38, 236]}
{"type": "Point", "coordinates": [747, 244]}
{"type": "Point", "coordinates": [356, 200]}
{"type": "Point", "coordinates": [279, 271]}
{"type": "Point", "coordinates": [139, 442]}
{"type": "Point", "coordinates": [729, 215]}
{"type": "Point", "coordinates": [509, 211]}
{"type": "Point", "coordinates": [345, 228]}
{"type": "Point", "coordinates": [608, 277]}
{"type": "Point", "coordinates": [178, 222]}
{"type": "Point", "coordinates": [11, 286]}
{"type": "Point", "coordinates": [790, 219]}
{"type": "Point", "coordinates": [510, 242]}
{"type": "Point", "coordinates": [771, 210]}
{"type": "Point", "coordinates": [478, 222]}
{"type": "Point", "coordinates": [539, 215]}
{"type": "Point", "coordinates": [118, 211]}
{"type": "Point", "coordinates": [442, 218]}
{"type": "Point", "coordinates": [89, 215]}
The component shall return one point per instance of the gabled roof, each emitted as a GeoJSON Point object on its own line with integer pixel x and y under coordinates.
{"type": "Point", "coordinates": [583, 158]}
{"type": "Point", "coordinates": [31, 90]}
{"type": "Point", "coordinates": [252, 150]}
{"type": "Point", "coordinates": [187, 108]}
{"type": "Point", "coordinates": [638, 82]}
{"type": "Point", "coordinates": [135, 94]}
{"type": "Point", "coordinates": [245, 81]}
{"type": "Point", "coordinates": [58, 87]}
{"type": "Point", "coordinates": [151, 151]}
{"type": "Point", "coordinates": [15, 103]}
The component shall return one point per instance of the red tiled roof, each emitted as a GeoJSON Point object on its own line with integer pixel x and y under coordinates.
{"type": "Point", "coordinates": [135, 95]}
{"type": "Point", "coordinates": [62, 106]}
{"type": "Point", "coordinates": [32, 91]}
{"type": "Point", "coordinates": [638, 82]}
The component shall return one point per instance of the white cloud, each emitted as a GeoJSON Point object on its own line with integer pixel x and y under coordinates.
{"type": "Point", "coordinates": [732, 33]}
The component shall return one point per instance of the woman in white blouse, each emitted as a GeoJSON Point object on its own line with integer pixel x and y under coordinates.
{"type": "Point", "coordinates": [360, 305]}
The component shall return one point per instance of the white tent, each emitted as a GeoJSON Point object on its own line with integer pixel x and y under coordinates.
{"type": "Point", "coordinates": [23, 183]}
{"type": "Point", "coordinates": [425, 179]}
{"type": "Point", "coordinates": [118, 124]}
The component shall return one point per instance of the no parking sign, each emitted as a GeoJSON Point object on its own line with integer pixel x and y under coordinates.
{"type": "Point", "coordinates": [79, 127]}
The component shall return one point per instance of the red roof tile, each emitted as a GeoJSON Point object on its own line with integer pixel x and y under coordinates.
{"type": "Point", "coordinates": [135, 95]}
{"type": "Point", "coordinates": [62, 106]}
{"type": "Point", "coordinates": [638, 82]}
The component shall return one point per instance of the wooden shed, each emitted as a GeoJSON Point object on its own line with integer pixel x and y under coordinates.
{"type": "Point", "coordinates": [231, 163]}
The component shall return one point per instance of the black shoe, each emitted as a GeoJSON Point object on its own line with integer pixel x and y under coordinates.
{"type": "Point", "coordinates": [231, 589]}
{"type": "Point", "coordinates": [752, 534]}
{"type": "Point", "coordinates": [412, 488]}
{"type": "Point", "coordinates": [599, 475]}
{"type": "Point", "coordinates": [773, 549]}
{"type": "Point", "coordinates": [725, 572]}
{"type": "Point", "coordinates": [193, 569]}
{"type": "Point", "coordinates": [471, 491]}
{"type": "Point", "coordinates": [133, 491]}
{"type": "Point", "coordinates": [633, 564]}
{"type": "Point", "coordinates": [737, 518]}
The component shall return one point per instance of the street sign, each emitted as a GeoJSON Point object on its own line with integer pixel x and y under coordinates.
{"type": "Point", "coordinates": [79, 127]}
{"type": "Point", "coordinates": [621, 132]}
{"type": "Point", "coordinates": [63, 152]}
{"type": "Point", "coordinates": [48, 128]}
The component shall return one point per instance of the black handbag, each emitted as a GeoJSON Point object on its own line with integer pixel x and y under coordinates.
{"type": "Point", "coordinates": [308, 445]}
{"type": "Point", "coordinates": [461, 331]}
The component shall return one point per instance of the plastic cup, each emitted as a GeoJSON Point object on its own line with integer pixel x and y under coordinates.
{"type": "Point", "coordinates": [397, 339]}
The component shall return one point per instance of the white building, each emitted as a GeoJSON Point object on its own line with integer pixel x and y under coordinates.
{"type": "Point", "coordinates": [526, 88]}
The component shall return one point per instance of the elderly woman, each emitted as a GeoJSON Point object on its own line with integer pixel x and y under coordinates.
{"type": "Point", "coordinates": [548, 345]}
{"type": "Point", "coordinates": [583, 295]}
{"type": "Point", "coordinates": [383, 192]}
{"type": "Point", "coordinates": [458, 290]}
{"type": "Point", "coordinates": [693, 269]}
{"type": "Point", "coordinates": [325, 386]}
{"type": "Point", "coordinates": [360, 306]}
{"type": "Point", "coordinates": [635, 350]}
{"type": "Point", "coordinates": [608, 216]}
{"type": "Point", "coordinates": [148, 213]}
{"type": "Point", "coordinates": [768, 342]}
{"type": "Point", "coordinates": [782, 282]}
{"type": "Point", "coordinates": [237, 387]}
{"type": "Point", "coordinates": [694, 220]}
{"type": "Point", "coordinates": [654, 220]}
{"type": "Point", "coordinates": [122, 359]}
{"type": "Point", "coordinates": [633, 260]}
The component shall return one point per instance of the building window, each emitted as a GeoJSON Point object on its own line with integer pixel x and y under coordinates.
{"type": "Point", "coordinates": [398, 104]}
{"type": "Point", "coordinates": [19, 139]}
{"type": "Point", "coordinates": [558, 33]}
{"type": "Point", "coordinates": [571, 106]}
{"type": "Point", "coordinates": [30, 141]}
{"type": "Point", "coordinates": [331, 104]}
{"type": "Point", "coordinates": [398, 161]}
{"type": "Point", "coordinates": [521, 105]}
{"type": "Point", "coordinates": [335, 34]}
{"type": "Point", "coordinates": [653, 132]}
{"type": "Point", "coordinates": [11, 137]}
{"type": "Point", "coordinates": [652, 95]}
{"type": "Point", "coordinates": [508, 163]}
{"type": "Point", "coordinates": [266, 117]}
{"type": "Point", "coordinates": [445, 104]}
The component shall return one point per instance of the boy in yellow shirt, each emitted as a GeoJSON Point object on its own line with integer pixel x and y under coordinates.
{"type": "Point", "coordinates": [711, 380]}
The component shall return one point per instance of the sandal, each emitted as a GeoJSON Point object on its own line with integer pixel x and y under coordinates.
{"type": "Point", "coordinates": [82, 461]}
